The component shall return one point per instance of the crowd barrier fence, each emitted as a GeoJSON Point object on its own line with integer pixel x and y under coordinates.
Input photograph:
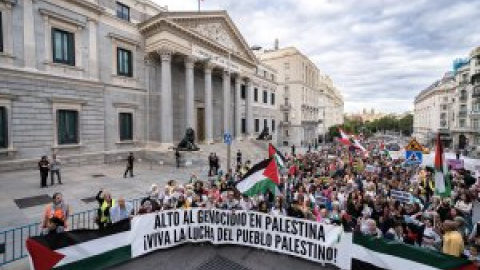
{"type": "Point", "coordinates": [12, 241]}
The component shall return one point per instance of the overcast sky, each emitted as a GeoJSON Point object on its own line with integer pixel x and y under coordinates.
{"type": "Point", "coordinates": [380, 53]}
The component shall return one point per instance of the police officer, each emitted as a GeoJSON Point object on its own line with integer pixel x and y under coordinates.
{"type": "Point", "coordinates": [43, 167]}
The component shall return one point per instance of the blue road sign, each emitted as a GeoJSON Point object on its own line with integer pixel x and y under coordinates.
{"type": "Point", "coordinates": [413, 157]}
{"type": "Point", "coordinates": [227, 138]}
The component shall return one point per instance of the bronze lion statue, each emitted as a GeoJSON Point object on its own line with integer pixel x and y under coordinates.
{"type": "Point", "coordinates": [188, 141]}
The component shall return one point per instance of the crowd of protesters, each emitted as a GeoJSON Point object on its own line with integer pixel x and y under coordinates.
{"type": "Point", "coordinates": [336, 186]}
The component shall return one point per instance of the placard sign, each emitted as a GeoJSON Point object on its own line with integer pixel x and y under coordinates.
{"type": "Point", "coordinates": [401, 196]}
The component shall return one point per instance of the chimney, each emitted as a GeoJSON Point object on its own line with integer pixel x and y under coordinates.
{"type": "Point", "coordinates": [276, 46]}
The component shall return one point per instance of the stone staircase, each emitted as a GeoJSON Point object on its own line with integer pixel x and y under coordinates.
{"type": "Point", "coordinates": [251, 150]}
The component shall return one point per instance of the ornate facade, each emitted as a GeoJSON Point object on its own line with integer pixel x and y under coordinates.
{"type": "Point", "coordinates": [85, 78]}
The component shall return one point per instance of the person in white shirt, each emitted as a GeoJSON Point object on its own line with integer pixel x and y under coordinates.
{"type": "Point", "coordinates": [278, 210]}
{"type": "Point", "coordinates": [430, 239]}
{"type": "Point", "coordinates": [245, 203]}
{"type": "Point", "coordinates": [121, 211]}
{"type": "Point", "coordinates": [55, 165]}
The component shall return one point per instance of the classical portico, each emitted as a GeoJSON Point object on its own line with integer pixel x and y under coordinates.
{"type": "Point", "coordinates": [200, 63]}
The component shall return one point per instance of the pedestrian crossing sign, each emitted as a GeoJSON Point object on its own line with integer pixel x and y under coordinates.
{"type": "Point", "coordinates": [413, 157]}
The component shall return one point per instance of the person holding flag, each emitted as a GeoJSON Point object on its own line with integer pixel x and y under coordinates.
{"type": "Point", "coordinates": [279, 158]}
{"type": "Point", "coordinates": [442, 183]}
{"type": "Point", "coordinates": [263, 177]}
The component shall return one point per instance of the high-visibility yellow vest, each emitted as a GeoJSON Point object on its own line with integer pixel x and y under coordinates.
{"type": "Point", "coordinates": [103, 218]}
{"type": "Point", "coordinates": [431, 184]}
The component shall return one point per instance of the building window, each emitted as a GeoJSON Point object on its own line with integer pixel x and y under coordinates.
{"type": "Point", "coordinates": [257, 125]}
{"type": "Point", "coordinates": [255, 94]}
{"type": "Point", "coordinates": [265, 74]}
{"type": "Point", "coordinates": [444, 107]}
{"type": "Point", "coordinates": [126, 126]}
{"type": "Point", "coordinates": [287, 66]}
{"type": "Point", "coordinates": [265, 123]}
{"type": "Point", "coordinates": [123, 12]}
{"type": "Point", "coordinates": [243, 93]}
{"type": "Point", "coordinates": [272, 98]}
{"type": "Point", "coordinates": [273, 125]}
{"type": "Point", "coordinates": [124, 62]}
{"type": "Point", "coordinates": [63, 47]}
{"type": "Point", "coordinates": [461, 123]}
{"type": "Point", "coordinates": [476, 107]}
{"type": "Point", "coordinates": [265, 97]}
{"type": "Point", "coordinates": [1, 33]}
{"type": "Point", "coordinates": [244, 125]}
{"type": "Point", "coordinates": [3, 128]}
{"type": "Point", "coordinates": [273, 77]}
{"type": "Point", "coordinates": [476, 124]}
{"type": "Point", "coordinates": [287, 78]}
{"type": "Point", "coordinates": [67, 124]}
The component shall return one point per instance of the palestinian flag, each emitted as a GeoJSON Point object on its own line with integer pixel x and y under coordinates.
{"type": "Point", "coordinates": [261, 177]}
{"type": "Point", "coordinates": [370, 253]}
{"type": "Point", "coordinates": [81, 249]}
{"type": "Point", "coordinates": [279, 158]}
{"type": "Point", "coordinates": [442, 188]}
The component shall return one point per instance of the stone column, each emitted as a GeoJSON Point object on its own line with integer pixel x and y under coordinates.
{"type": "Point", "coordinates": [249, 109]}
{"type": "Point", "coordinates": [166, 127]}
{"type": "Point", "coordinates": [208, 104]}
{"type": "Point", "coordinates": [189, 92]}
{"type": "Point", "coordinates": [148, 100]}
{"type": "Point", "coordinates": [92, 50]}
{"type": "Point", "coordinates": [29, 48]}
{"type": "Point", "coordinates": [238, 107]}
{"type": "Point", "coordinates": [226, 102]}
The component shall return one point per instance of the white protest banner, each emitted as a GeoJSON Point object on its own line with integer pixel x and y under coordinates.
{"type": "Point", "coordinates": [302, 238]}
{"type": "Point", "coordinates": [400, 196]}
{"type": "Point", "coordinates": [396, 155]}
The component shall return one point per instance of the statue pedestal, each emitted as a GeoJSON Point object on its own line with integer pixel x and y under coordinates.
{"type": "Point", "coordinates": [187, 162]}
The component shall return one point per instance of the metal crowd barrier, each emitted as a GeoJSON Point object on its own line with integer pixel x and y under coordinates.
{"type": "Point", "coordinates": [12, 241]}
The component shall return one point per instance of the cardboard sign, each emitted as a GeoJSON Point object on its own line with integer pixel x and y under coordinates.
{"type": "Point", "coordinates": [401, 196]}
{"type": "Point", "coordinates": [456, 164]}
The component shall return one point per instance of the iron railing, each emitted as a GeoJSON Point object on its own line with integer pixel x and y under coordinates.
{"type": "Point", "coordinates": [12, 241]}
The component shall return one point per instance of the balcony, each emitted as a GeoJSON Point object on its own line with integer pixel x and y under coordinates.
{"type": "Point", "coordinates": [309, 123]}
{"type": "Point", "coordinates": [463, 99]}
{"type": "Point", "coordinates": [475, 114]}
{"type": "Point", "coordinates": [462, 129]}
{"type": "Point", "coordinates": [285, 123]}
{"type": "Point", "coordinates": [462, 113]}
{"type": "Point", "coordinates": [285, 107]}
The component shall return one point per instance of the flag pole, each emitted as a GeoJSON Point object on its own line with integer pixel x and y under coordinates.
{"type": "Point", "coordinates": [199, 5]}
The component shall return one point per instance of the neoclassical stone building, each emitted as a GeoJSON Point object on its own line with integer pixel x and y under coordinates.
{"type": "Point", "coordinates": [85, 78]}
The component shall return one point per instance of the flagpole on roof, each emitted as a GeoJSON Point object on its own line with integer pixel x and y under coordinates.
{"type": "Point", "coordinates": [199, 5]}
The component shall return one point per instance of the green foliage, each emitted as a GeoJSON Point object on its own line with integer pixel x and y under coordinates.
{"type": "Point", "coordinates": [386, 123]}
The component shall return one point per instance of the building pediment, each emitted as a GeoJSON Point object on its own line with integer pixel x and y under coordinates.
{"type": "Point", "coordinates": [216, 27]}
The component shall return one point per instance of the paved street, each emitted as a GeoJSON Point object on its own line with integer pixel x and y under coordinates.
{"type": "Point", "coordinates": [82, 182]}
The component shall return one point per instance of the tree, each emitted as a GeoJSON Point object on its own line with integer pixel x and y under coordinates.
{"type": "Point", "coordinates": [333, 131]}
{"type": "Point", "coordinates": [406, 124]}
